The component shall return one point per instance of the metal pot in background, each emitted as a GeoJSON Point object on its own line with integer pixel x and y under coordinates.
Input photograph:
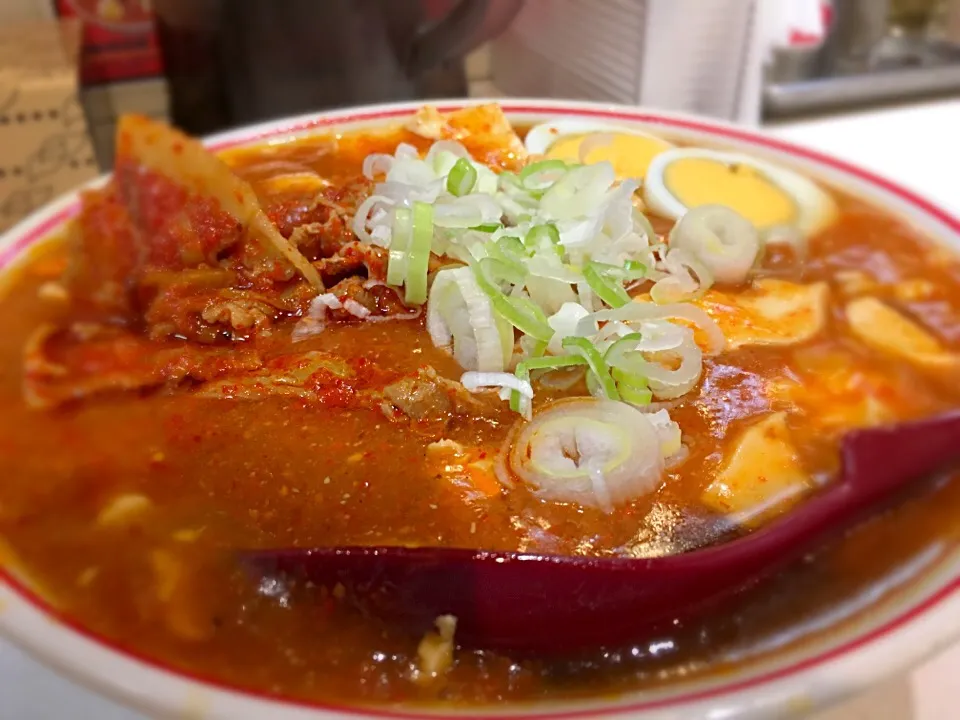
{"type": "Point", "coordinates": [876, 51]}
{"type": "Point", "coordinates": [859, 26]}
{"type": "Point", "coordinates": [947, 23]}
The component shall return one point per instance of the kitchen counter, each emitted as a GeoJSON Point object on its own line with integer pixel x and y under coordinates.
{"type": "Point", "coordinates": [916, 145]}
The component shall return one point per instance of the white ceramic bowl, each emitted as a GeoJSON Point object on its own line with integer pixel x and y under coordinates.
{"type": "Point", "coordinates": [884, 639]}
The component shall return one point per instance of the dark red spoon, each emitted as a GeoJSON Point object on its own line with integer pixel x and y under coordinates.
{"type": "Point", "coordinates": [545, 604]}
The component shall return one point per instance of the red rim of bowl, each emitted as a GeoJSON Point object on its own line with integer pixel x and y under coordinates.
{"type": "Point", "coordinates": [724, 132]}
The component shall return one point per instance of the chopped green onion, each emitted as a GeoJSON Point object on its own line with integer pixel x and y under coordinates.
{"type": "Point", "coordinates": [628, 378]}
{"type": "Point", "coordinates": [525, 315]}
{"type": "Point", "coordinates": [598, 367]}
{"type": "Point", "coordinates": [542, 166]}
{"type": "Point", "coordinates": [538, 349]}
{"type": "Point", "coordinates": [578, 193]}
{"type": "Point", "coordinates": [553, 362]}
{"type": "Point", "coordinates": [629, 372]}
{"type": "Point", "coordinates": [604, 282]}
{"type": "Point", "coordinates": [542, 174]}
{"type": "Point", "coordinates": [462, 177]}
{"type": "Point", "coordinates": [418, 258]}
{"type": "Point", "coordinates": [399, 243]}
{"type": "Point", "coordinates": [540, 233]}
{"type": "Point", "coordinates": [509, 179]}
{"type": "Point", "coordinates": [521, 312]}
{"type": "Point", "coordinates": [540, 363]}
{"type": "Point", "coordinates": [494, 271]}
{"type": "Point", "coordinates": [642, 220]}
{"type": "Point", "coordinates": [618, 356]}
{"type": "Point", "coordinates": [633, 388]}
{"type": "Point", "coordinates": [495, 251]}
{"type": "Point", "coordinates": [634, 270]}
{"type": "Point", "coordinates": [593, 387]}
{"type": "Point", "coordinates": [488, 227]}
{"type": "Point", "coordinates": [513, 248]}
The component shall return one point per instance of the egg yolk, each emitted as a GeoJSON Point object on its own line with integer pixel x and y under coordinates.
{"type": "Point", "coordinates": [702, 181]}
{"type": "Point", "coordinates": [629, 154]}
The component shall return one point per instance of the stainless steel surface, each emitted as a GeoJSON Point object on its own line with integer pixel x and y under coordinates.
{"type": "Point", "coordinates": [858, 28]}
{"type": "Point", "coordinates": [792, 65]}
{"type": "Point", "coordinates": [876, 51]}
{"type": "Point", "coordinates": [851, 90]}
{"type": "Point", "coordinates": [912, 16]}
{"type": "Point", "coordinates": [949, 22]}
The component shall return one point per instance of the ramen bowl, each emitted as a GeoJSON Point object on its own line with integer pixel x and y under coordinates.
{"type": "Point", "coordinates": [837, 646]}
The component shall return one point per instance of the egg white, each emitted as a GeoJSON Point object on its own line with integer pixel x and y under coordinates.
{"type": "Point", "coordinates": [816, 208]}
{"type": "Point", "coordinates": [541, 137]}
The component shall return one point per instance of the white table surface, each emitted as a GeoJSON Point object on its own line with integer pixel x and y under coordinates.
{"type": "Point", "coordinates": [919, 146]}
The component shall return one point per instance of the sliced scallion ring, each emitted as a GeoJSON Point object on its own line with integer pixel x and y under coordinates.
{"type": "Point", "coordinates": [620, 356]}
{"type": "Point", "coordinates": [720, 239]}
{"type": "Point", "coordinates": [644, 222]}
{"type": "Point", "coordinates": [520, 312]}
{"type": "Point", "coordinates": [462, 178]}
{"type": "Point", "coordinates": [399, 243]}
{"type": "Point", "coordinates": [523, 369]}
{"type": "Point", "coordinates": [509, 180]}
{"type": "Point", "coordinates": [605, 282]}
{"type": "Point", "coordinates": [629, 370]}
{"type": "Point", "coordinates": [630, 391]}
{"type": "Point", "coordinates": [506, 261]}
{"type": "Point", "coordinates": [665, 381]}
{"type": "Point", "coordinates": [595, 453]}
{"type": "Point", "coordinates": [540, 175]}
{"type": "Point", "coordinates": [634, 270]}
{"type": "Point", "coordinates": [494, 271]}
{"type": "Point", "coordinates": [488, 227]}
{"type": "Point", "coordinates": [512, 248]}
{"type": "Point", "coordinates": [537, 348]}
{"type": "Point", "coordinates": [598, 367]}
{"type": "Point", "coordinates": [525, 315]}
{"type": "Point", "coordinates": [577, 191]}
{"type": "Point", "coordinates": [418, 258]}
{"type": "Point", "coordinates": [460, 316]}
{"type": "Point", "coordinates": [538, 235]}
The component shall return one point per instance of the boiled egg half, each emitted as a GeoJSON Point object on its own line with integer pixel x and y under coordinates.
{"type": "Point", "coordinates": [768, 195]}
{"type": "Point", "coordinates": [629, 150]}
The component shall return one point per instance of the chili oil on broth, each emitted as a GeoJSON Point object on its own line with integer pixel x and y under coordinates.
{"type": "Point", "coordinates": [224, 474]}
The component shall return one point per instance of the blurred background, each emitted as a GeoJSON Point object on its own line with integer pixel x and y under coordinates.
{"type": "Point", "coordinates": [69, 68]}
{"type": "Point", "coordinates": [875, 82]}
{"type": "Point", "coordinates": [211, 64]}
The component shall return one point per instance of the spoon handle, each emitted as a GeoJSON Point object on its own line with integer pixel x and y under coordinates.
{"type": "Point", "coordinates": [878, 461]}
